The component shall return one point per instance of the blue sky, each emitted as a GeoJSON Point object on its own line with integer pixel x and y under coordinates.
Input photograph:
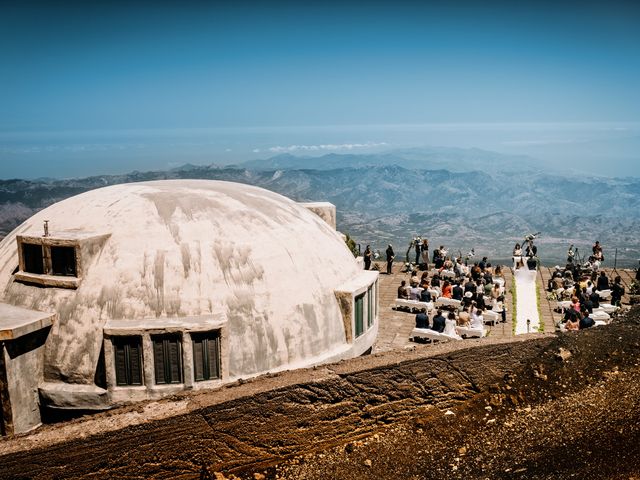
{"type": "Point", "coordinates": [105, 66]}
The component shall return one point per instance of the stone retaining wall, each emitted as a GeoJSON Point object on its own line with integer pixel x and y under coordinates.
{"type": "Point", "coordinates": [328, 406]}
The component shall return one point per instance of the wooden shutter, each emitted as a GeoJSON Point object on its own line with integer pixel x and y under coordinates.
{"type": "Point", "coordinates": [198, 360]}
{"type": "Point", "coordinates": [206, 355]}
{"type": "Point", "coordinates": [174, 354]}
{"type": "Point", "coordinates": [121, 364]}
{"type": "Point", "coordinates": [213, 350]}
{"type": "Point", "coordinates": [135, 363]}
{"type": "Point", "coordinates": [158, 360]}
{"type": "Point", "coordinates": [167, 358]}
{"type": "Point", "coordinates": [128, 359]}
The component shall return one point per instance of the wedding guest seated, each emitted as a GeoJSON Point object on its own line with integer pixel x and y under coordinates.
{"type": "Point", "coordinates": [479, 299]}
{"type": "Point", "coordinates": [476, 272]}
{"type": "Point", "coordinates": [450, 326]}
{"type": "Point", "coordinates": [467, 300]}
{"type": "Point", "coordinates": [603, 282]}
{"type": "Point", "coordinates": [414, 293]}
{"type": "Point", "coordinates": [446, 289]}
{"type": "Point", "coordinates": [477, 321]}
{"type": "Point", "coordinates": [586, 321]}
{"type": "Point", "coordinates": [571, 318]}
{"type": "Point", "coordinates": [575, 303]}
{"type": "Point", "coordinates": [403, 290]}
{"type": "Point", "coordinates": [496, 291]}
{"type": "Point", "coordinates": [470, 287]}
{"type": "Point", "coordinates": [438, 322]}
{"type": "Point", "coordinates": [457, 292]}
{"type": "Point", "coordinates": [488, 288]}
{"type": "Point", "coordinates": [422, 320]}
{"type": "Point", "coordinates": [572, 325]}
{"type": "Point", "coordinates": [464, 317]}
{"type": "Point", "coordinates": [595, 299]}
{"type": "Point", "coordinates": [425, 295]}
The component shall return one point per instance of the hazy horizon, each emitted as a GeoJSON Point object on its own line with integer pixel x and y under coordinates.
{"type": "Point", "coordinates": [597, 149]}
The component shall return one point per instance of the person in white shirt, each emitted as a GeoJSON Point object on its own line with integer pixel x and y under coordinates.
{"type": "Point", "coordinates": [414, 292]}
{"type": "Point", "coordinates": [450, 326]}
{"type": "Point", "coordinates": [477, 321]}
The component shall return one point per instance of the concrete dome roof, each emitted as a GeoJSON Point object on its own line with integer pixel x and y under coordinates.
{"type": "Point", "coordinates": [265, 265]}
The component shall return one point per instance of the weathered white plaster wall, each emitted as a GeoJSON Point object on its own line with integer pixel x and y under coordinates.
{"type": "Point", "coordinates": [183, 248]}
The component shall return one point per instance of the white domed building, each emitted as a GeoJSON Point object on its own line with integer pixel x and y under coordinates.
{"type": "Point", "coordinates": [137, 291]}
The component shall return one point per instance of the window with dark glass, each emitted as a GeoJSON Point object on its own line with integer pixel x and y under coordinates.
{"type": "Point", "coordinates": [167, 358]}
{"type": "Point", "coordinates": [370, 307]}
{"type": "Point", "coordinates": [359, 315]}
{"type": "Point", "coordinates": [63, 261]}
{"type": "Point", "coordinates": [206, 355]}
{"type": "Point", "coordinates": [32, 258]}
{"type": "Point", "coordinates": [128, 357]}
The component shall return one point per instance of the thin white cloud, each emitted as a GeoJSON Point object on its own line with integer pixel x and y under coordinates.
{"type": "Point", "coordinates": [529, 143]}
{"type": "Point", "coordinates": [325, 147]}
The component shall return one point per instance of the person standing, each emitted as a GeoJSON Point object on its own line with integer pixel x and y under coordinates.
{"type": "Point", "coordinates": [417, 247]}
{"type": "Point", "coordinates": [390, 256]}
{"type": "Point", "coordinates": [517, 256]}
{"type": "Point", "coordinates": [617, 291]}
{"type": "Point", "coordinates": [368, 255]}
{"type": "Point", "coordinates": [597, 251]}
{"type": "Point", "coordinates": [425, 253]}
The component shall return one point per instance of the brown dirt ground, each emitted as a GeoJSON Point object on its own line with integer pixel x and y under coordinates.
{"type": "Point", "coordinates": [566, 417]}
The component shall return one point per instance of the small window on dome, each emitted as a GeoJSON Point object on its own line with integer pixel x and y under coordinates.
{"type": "Point", "coordinates": [33, 258]}
{"type": "Point", "coordinates": [63, 261]}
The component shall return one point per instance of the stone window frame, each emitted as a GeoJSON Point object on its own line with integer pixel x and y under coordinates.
{"type": "Point", "coordinates": [83, 244]}
{"type": "Point", "coordinates": [365, 284]}
{"type": "Point", "coordinates": [145, 329]}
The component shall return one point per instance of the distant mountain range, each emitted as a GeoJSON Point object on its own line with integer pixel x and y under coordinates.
{"type": "Point", "coordinates": [431, 158]}
{"type": "Point", "coordinates": [485, 200]}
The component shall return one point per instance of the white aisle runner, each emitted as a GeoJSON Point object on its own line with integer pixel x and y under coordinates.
{"type": "Point", "coordinates": [526, 300]}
